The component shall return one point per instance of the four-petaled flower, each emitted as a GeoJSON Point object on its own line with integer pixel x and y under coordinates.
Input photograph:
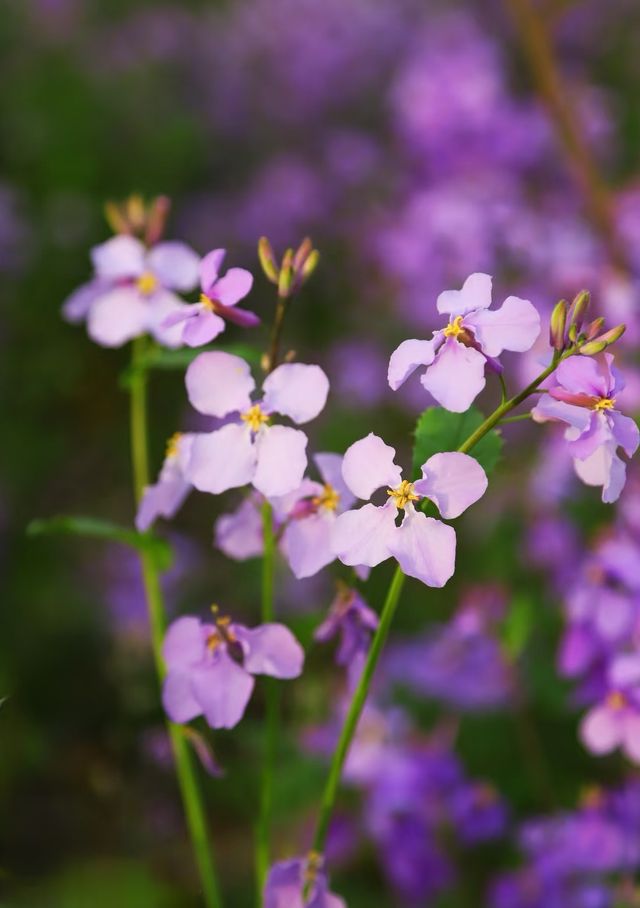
{"type": "Point", "coordinates": [249, 449]}
{"type": "Point", "coordinates": [287, 881]}
{"type": "Point", "coordinates": [585, 398]}
{"type": "Point", "coordinates": [457, 354]}
{"type": "Point", "coordinates": [132, 292]}
{"type": "Point", "coordinates": [424, 547]}
{"type": "Point", "coordinates": [165, 497]}
{"type": "Point", "coordinates": [203, 321]}
{"type": "Point", "coordinates": [210, 666]}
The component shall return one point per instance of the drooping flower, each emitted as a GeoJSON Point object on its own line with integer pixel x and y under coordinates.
{"type": "Point", "coordinates": [132, 292]}
{"type": "Point", "coordinates": [205, 320]}
{"type": "Point", "coordinates": [351, 618]}
{"type": "Point", "coordinates": [585, 398]}
{"type": "Point", "coordinates": [424, 547]}
{"type": "Point", "coordinates": [249, 449]}
{"type": "Point", "coordinates": [167, 495]}
{"type": "Point", "coordinates": [210, 666]}
{"type": "Point", "coordinates": [456, 355]}
{"type": "Point", "coordinates": [287, 881]}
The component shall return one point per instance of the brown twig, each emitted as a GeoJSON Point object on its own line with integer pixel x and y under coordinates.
{"type": "Point", "coordinates": [538, 49]}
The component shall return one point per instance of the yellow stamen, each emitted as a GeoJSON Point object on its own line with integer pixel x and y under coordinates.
{"type": "Point", "coordinates": [403, 494]}
{"type": "Point", "coordinates": [454, 328]}
{"type": "Point", "coordinates": [173, 445]}
{"type": "Point", "coordinates": [213, 641]}
{"type": "Point", "coordinates": [329, 499]}
{"type": "Point", "coordinates": [616, 700]}
{"type": "Point", "coordinates": [604, 403]}
{"type": "Point", "coordinates": [207, 302]}
{"type": "Point", "coordinates": [147, 283]}
{"type": "Point", "coordinates": [254, 417]}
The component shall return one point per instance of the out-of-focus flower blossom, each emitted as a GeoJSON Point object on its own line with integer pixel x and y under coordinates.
{"type": "Point", "coordinates": [614, 723]}
{"type": "Point", "coordinates": [249, 449]}
{"type": "Point", "coordinates": [424, 547]}
{"type": "Point", "coordinates": [167, 495]}
{"type": "Point", "coordinates": [351, 618]}
{"type": "Point", "coordinates": [456, 356]}
{"type": "Point", "coordinates": [585, 398]}
{"type": "Point", "coordinates": [132, 292]}
{"type": "Point", "coordinates": [210, 667]}
{"type": "Point", "coordinates": [287, 880]}
{"type": "Point", "coordinates": [205, 320]}
{"type": "Point", "coordinates": [239, 534]}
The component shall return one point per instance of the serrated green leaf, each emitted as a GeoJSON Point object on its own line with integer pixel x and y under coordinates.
{"type": "Point", "coordinates": [440, 430]}
{"type": "Point", "coordinates": [62, 524]}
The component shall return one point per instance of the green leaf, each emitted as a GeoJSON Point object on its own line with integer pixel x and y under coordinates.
{"type": "Point", "coordinates": [158, 548]}
{"type": "Point", "coordinates": [165, 360]}
{"type": "Point", "coordinates": [518, 625]}
{"type": "Point", "coordinates": [440, 430]}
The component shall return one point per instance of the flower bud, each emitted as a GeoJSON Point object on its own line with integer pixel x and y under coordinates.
{"type": "Point", "coordinates": [593, 328]}
{"type": "Point", "coordinates": [287, 274]}
{"type": "Point", "coordinates": [267, 259]}
{"type": "Point", "coordinates": [557, 325]}
{"type": "Point", "coordinates": [157, 215]}
{"type": "Point", "coordinates": [579, 308]}
{"type": "Point", "coordinates": [303, 252]}
{"type": "Point", "coordinates": [605, 340]}
{"type": "Point", "coordinates": [310, 265]}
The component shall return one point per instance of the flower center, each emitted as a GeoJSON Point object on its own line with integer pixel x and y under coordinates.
{"type": "Point", "coordinates": [329, 498]}
{"type": "Point", "coordinates": [454, 328]}
{"type": "Point", "coordinates": [147, 283]}
{"type": "Point", "coordinates": [616, 700]}
{"type": "Point", "coordinates": [254, 417]}
{"type": "Point", "coordinates": [403, 494]}
{"type": "Point", "coordinates": [208, 303]}
{"type": "Point", "coordinates": [222, 633]}
{"type": "Point", "coordinates": [173, 445]}
{"type": "Point", "coordinates": [604, 403]}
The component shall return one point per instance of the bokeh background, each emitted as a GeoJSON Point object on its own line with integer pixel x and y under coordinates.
{"type": "Point", "coordinates": [410, 141]}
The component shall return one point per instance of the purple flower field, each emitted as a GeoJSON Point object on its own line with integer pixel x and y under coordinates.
{"type": "Point", "coordinates": [319, 501]}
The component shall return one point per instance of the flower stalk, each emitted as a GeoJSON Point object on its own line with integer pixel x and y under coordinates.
{"type": "Point", "coordinates": [361, 692]}
{"type": "Point", "coordinates": [184, 763]}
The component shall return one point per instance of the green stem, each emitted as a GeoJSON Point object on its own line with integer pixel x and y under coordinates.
{"type": "Point", "coordinates": [355, 710]}
{"type": "Point", "coordinates": [519, 418]}
{"type": "Point", "coordinates": [184, 763]}
{"type": "Point", "coordinates": [388, 610]}
{"type": "Point", "coordinates": [272, 703]}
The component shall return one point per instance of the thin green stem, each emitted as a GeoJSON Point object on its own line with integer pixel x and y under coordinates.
{"type": "Point", "coordinates": [184, 763]}
{"type": "Point", "coordinates": [521, 417]}
{"type": "Point", "coordinates": [355, 710]}
{"type": "Point", "coordinates": [388, 611]}
{"type": "Point", "coordinates": [272, 703]}
{"type": "Point", "coordinates": [276, 332]}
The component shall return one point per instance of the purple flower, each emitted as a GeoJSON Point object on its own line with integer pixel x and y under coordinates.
{"type": "Point", "coordinates": [614, 723]}
{"type": "Point", "coordinates": [248, 449]}
{"type": "Point", "coordinates": [167, 495]}
{"type": "Point", "coordinates": [205, 320]}
{"type": "Point", "coordinates": [287, 880]}
{"type": "Point", "coordinates": [478, 812]}
{"type": "Point", "coordinates": [351, 618]}
{"type": "Point", "coordinates": [239, 534]}
{"type": "Point", "coordinates": [585, 398]}
{"type": "Point", "coordinates": [456, 355]}
{"type": "Point", "coordinates": [210, 667]}
{"type": "Point", "coordinates": [309, 515]}
{"type": "Point", "coordinates": [424, 547]}
{"type": "Point", "coordinates": [132, 291]}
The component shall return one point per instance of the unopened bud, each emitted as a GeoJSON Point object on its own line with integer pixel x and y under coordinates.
{"type": "Point", "coordinates": [579, 308]}
{"type": "Point", "coordinates": [157, 219]}
{"type": "Point", "coordinates": [136, 212]}
{"type": "Point", "coordinates": [310, 265]}
{"type": "Point", "coordinates": [557, 325]}
{"type": "Point", "coordinates": [267, 259]}
{"type": "Point", "coordinates": [115, 218]}
{"type": "Point", "coordinates": [303, 252]}
{"type": "Point", "coordinates": [605, 340]}
{"type": "Point", "coordinates": [287, 274]}
{"type": "Point", "coordinates": [594, 328]}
